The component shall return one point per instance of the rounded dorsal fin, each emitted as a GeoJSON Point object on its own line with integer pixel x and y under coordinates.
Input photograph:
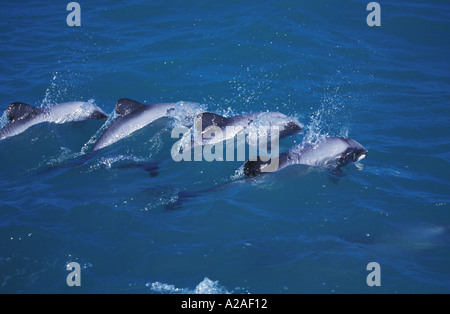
{"type": "Point", "coordinates": [207, 119]}
{"type": "Point", "coordinates": [126, 106]}
{"type": "Point", "coordinates": [20, 110]}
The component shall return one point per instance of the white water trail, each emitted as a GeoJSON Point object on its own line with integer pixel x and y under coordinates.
{"type": "Point", "coordinates": [207, 286]}
{"type": "Point", "coordinates": [90, 144]}
{"type": "Point", "coordinates": [3, 119]}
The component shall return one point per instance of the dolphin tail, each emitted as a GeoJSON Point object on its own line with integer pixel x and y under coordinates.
{"type": "Point", "coordinates": [182, 198]}
{"type": "Point", "coordinates": [151, 167]}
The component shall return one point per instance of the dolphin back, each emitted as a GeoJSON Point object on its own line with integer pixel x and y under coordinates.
{"type": "Point", "coordinates": [132, 116]}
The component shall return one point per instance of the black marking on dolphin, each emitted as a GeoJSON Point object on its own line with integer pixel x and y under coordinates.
{"type": "Point", "coordinates": [132, 116]}
{"type": "Point", "coordinates": [332, 153]}
{"type": "Point", "coordinates": [21, 111]}
{"type": "Point", "coordinates": [22, 116]}
{"type": "Point", "coordinates": [208, 119]}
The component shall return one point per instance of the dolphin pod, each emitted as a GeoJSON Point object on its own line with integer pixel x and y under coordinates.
{"type": "Point", "coordinates": [131, 116]}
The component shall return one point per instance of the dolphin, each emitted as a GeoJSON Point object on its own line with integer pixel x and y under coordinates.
{"type": "Point", "coordinates": [330, 153]}
{"type": "Point", "coordinates": [207, 124]}
{"type": "Point", "coordinates": [207, 120]}
{"type": "Point", "coordinates": [132, 116]}
{"type": "Point", "coordinates": [22, 116]}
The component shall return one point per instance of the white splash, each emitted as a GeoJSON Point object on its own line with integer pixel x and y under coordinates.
{"type": "Point", "coordinates": [3, 120]}
{"type": "Point", "coordinates": [186, 112]}
{"type": "Point", "coordinates": [53, 93]}
{"type": "Point", "coordinates": [88, 146]}
{"type": "Point", "coordinates": [264, 123]}
{"type": "Point", "coordinates": [108, 162]}
{"type": "Point", "coordinates": [207, 286]}
{"type": "Point", "coordinates": [328, 120]}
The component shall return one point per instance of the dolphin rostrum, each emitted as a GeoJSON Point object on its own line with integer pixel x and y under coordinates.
{"type": "Point", "coordinates": [22, 116]}
{"type": "Point", "coordinates": [132, 116]}
{"type": "Point", "coordinates": [330, 153]}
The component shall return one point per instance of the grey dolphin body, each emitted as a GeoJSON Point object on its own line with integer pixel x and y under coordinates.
{"type": "Point", "coordinates": [22, 116]}
{"type": "Point", "coordinates": [241, 122]}
{"type": "Point", "coordinates": [132, 116]}
{"type": "Point", "coordinates": [331, 153]}
{"type": "Point", "coordinates": [212, 128]}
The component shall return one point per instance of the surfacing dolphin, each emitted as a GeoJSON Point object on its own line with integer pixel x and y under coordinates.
{"type": "Point", "coordinates": [241, 122]}
{"type": "Point", "coordinates": [330, 153]}
{"type": "Point", "coordinates": [212, 128]}
{"type": "Point", "coordinates": [22, 116]}
{"type": "Point", "coordinates": [132, 116]}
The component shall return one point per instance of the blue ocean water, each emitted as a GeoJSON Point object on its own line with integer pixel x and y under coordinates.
{"type": "Point", "coordinates": [199, 227]}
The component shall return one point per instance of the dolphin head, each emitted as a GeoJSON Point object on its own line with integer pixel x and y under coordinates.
{"type": "Point", "coordinates": [331, 152]}
{"type": "Point", "coordinates": [348, 151]}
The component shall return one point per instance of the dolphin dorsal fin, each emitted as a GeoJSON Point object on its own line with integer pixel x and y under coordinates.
{"type": "Point", "coordinates": [207, 119]}
{"type": "Point", "coordinates": [20, 110]}
{"type": "Point", "coordinates": [126, 106]}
